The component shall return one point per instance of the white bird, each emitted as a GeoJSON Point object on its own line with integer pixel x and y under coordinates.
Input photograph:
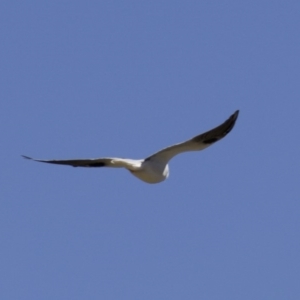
{"type": "Point", "coordinates": [155, 168]}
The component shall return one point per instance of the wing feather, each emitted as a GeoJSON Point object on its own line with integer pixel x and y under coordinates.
{"type": "Point", "coordinates": [93, 162]}
{"type": "Point", "coordinates": [198, 142]}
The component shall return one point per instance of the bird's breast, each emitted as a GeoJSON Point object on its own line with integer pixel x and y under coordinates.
{"type": "Point", "coordinates": [152, 172]}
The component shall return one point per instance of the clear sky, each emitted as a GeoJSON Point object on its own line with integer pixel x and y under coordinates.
{"type": "Point", "coordinates": [84, 79]}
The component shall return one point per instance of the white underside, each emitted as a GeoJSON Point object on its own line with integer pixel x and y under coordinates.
{"type": "Point", "coordinates": [152, 172]}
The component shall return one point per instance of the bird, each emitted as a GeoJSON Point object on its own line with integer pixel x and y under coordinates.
{"type": "Point", "coordinates": [154, 168]}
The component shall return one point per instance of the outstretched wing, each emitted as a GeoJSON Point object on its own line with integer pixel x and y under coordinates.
{"type": "Point", "coordinates": [92, 162]}
{"type": "Point", "coordinates": [198, 142]}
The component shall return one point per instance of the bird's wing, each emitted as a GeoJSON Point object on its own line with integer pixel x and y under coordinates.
{"type": "Point", "coordinates": [92, 162]}
{"type": "Point", "coordinates": [198, 142]}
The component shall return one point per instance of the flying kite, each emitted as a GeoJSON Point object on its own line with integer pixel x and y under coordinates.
{"type": "Point", "coordinates": [155, 168]}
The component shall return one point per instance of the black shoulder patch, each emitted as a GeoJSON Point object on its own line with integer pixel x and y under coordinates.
{"type": "Point", "coordinates": [97, 164]}
{"type": "Point", "coordinates": [210, 141]}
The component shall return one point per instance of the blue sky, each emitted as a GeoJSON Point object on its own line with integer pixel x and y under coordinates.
{"type": "Point", "coordinates": [127, 78]}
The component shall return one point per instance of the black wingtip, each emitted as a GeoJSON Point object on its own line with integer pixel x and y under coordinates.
{"type": "Point", "coordinates": [26, 157]}
{"type": "Point", "coordinates": [220, 131]}
{"type": "Point", "coordinates": [235, 115]}
{"type": "Point", "coordinates": [231, 121]}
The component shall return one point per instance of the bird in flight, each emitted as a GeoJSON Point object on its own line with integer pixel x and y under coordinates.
{"type": "Point", "coordinates": [155, 168]}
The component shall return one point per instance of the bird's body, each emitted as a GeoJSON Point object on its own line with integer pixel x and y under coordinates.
{"type": "Point", "coordinates": [152, 171]}
{"type": "Point", "coordinates": [155, 168]}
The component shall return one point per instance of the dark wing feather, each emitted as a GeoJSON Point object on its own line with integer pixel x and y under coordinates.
{"type": "Point", "coordinates": [198, 142]}
{"type": "Point", "coordinates": [96, 162]}
{"type": "Point", "coordinates": [217, 133]}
